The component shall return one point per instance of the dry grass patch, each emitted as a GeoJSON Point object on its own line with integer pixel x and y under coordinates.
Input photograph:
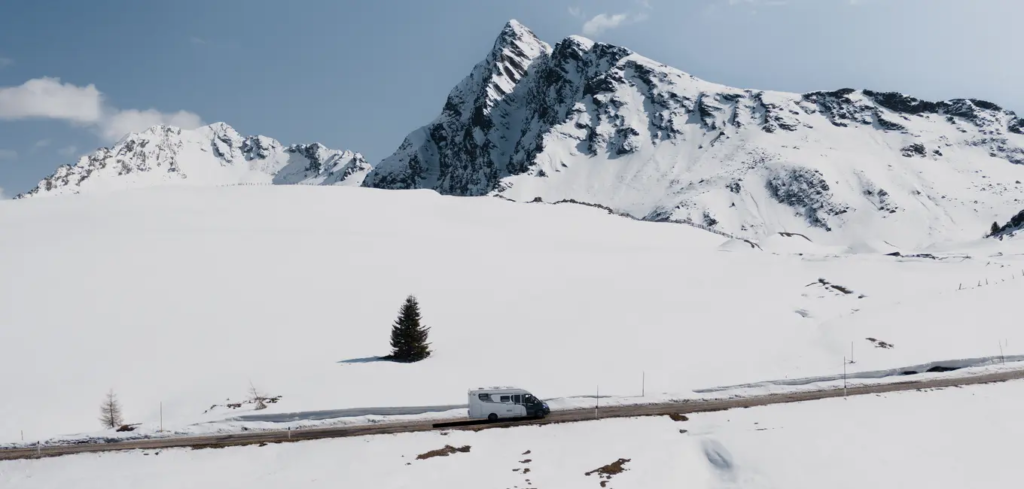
{"type": "Point", "coordinates": [443, 452]}
{"type": "Point", "coordinates": [605, 473]}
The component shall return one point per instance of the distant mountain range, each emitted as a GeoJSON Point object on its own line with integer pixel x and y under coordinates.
{"type": "Point", "coordinates": [210, 155]}
{"type": "Point", "coordinates": [597, 123]}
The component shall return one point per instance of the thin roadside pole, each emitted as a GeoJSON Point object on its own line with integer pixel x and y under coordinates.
{"type": "Point", "coordinates": [597, 405]}
{"type": "Point", "coordinates": [643, 384]}
{"type": "Point", "coordinates": [844, 377]}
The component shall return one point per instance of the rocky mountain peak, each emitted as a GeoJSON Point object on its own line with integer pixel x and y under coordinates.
{"type": "Point", "coordinates": [513, 52]}
{"type": "Point", "coordinates": [597, 123]}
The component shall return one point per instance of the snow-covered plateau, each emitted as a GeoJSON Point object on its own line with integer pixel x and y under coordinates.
{"type": "Point", "coordinates": [178, 297]}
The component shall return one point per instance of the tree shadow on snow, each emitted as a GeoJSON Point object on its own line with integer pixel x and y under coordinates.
{"type": "Point", "coordinates": [365, 360]}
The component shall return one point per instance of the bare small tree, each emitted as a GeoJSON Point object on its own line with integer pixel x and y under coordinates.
{"type": "Point", "coordinates": [256, 397]}
{"type": "Point", "coordinates": [110, 411]}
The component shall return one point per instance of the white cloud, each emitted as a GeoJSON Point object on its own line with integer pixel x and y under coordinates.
{"type": "Point", "coordinates": [42, 143]}
{"type": "Point", "coordinates": [3, 196]}
{"type": "Point", "coordinates": [122, 122]}
{"type": "Point", "coordinates": [68, 151]}
{"type": "Point", "coordinates": [602, 22]}
{"type": "Point", "coordinates": [48, 98]}
{"type": "Point", "coordinates": [5, 62]}
{"type": "Point", "coordinates": [197, 40]}
{"type": "Point", "coordinates": [8, 155]}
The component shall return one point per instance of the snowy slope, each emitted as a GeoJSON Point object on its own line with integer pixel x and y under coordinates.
{"type": "Point", "coordinates": [182, 295]}
{"type": "Point", "coordinates": [601, 124]}
{"type": "Point", "coordinates": [210, 155]}
{"type": "Point", "coordinates": [945, 439]}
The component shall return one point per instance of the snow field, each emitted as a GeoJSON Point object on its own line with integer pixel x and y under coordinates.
{"type": "Point", "coordinates": [184, 295]}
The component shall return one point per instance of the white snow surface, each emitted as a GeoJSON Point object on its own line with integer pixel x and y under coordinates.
{"type": "Point", "coordinates": [951, 438]}
{"type": "Point", "coordinates": [601, 124]}
{"type": "Point", "coordinates": [184, 295]}
{"type": "Point", "coordinates": [210, 155]}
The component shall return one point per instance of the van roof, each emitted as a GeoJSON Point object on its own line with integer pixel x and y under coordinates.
{"type": "Point", "coordinates": [489, 389]}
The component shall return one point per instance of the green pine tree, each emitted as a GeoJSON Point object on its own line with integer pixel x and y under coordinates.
{"type": "Point", "coordinates": [409, 337]}
{"type": "Point", "coordinates": [995, 229]}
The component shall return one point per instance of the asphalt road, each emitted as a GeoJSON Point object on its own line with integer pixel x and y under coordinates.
{"type": "Point", "coordinates": [683, 407]}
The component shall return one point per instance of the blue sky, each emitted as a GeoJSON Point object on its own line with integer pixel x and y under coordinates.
{"type": "Point", "coordinates": [360, 75]}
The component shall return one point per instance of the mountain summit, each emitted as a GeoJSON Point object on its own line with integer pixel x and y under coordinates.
{"type": "Point", "coordinates": [210, 155]}
{"type": "Point", "coordinates": [466, 149]}
{"type": "Point", "coordinates": [598, 123]}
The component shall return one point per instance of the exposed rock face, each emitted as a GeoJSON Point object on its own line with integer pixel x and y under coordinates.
{"type": "Point", "coordinates": [1012, 227]}
{"type": "Point", "coordinates": [464, 151]}
{"type": "Point", "coordinates": [210, 155]}
{"type": "Point", "coordinates": [597, 123]}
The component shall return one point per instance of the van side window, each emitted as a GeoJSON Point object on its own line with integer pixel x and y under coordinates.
{"type": "Point", "coordinates": [517, 399]}
{"type": "Point", "coordinates": [506, 398]}
{"type": "Point", "coordinates": [484, 397]}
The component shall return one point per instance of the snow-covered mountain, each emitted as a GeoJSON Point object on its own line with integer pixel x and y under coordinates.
{"type": "Point", "coordinates": [598, 123]}
{"type": "Point", "coordinates": [210, 155]}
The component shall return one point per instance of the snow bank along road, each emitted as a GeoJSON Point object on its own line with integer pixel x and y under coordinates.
{"type": "Point", "coordinates": [682, 407]}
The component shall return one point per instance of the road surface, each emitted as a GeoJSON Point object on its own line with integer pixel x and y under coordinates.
{"type": "Point", "coordinates": [682, 407]}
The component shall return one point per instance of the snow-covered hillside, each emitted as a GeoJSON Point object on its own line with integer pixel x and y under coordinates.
{"type": "Point", "coordinates": [182, 295]}
{"type": "Point", "coordinates": [210, 155]}
{"type": "Point", "coordinates": [598, 123]}
{"type": "Point", "coordinates": [946, 439]}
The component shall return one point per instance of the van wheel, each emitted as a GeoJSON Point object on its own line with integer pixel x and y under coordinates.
{"type": "Point", "coordinates": [492, 417]}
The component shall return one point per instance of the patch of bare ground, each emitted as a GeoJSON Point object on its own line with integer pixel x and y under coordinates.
{"type": "Point", "coordinates": [442, 452]}
{"type": "Point", "coordinates": [880, 344]}
{"type": "Point", "coordinates": [605, 473]}
{"type": "Point", "coordinates": [835, 287]}
{"type": "Point", "coordinates": [678, 417]}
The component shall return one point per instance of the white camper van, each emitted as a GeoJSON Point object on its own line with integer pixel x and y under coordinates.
{"type": "Point", "coordinates": [505, 402]}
